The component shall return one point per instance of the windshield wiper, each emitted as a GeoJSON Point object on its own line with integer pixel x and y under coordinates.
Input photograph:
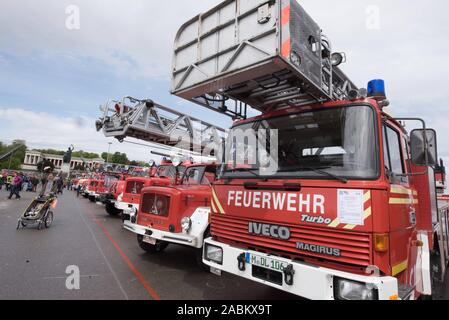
{"type": "Point", "coordinates": [320, 170]}
{"type": "Point", "coordinates": [254, 173]}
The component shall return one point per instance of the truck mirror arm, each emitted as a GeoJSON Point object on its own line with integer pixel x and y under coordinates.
{"type": "Point", "coordinates": [426, 146]}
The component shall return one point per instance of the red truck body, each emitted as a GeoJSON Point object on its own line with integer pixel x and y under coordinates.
{"type": "Point", "coordinates": [298, 219]}
{"type": "Point", "coordinates": [128, 201]}
{"type": "Point", "coordinates": [178, 213]}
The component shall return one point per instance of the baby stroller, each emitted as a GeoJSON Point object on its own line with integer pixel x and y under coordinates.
{"type": "Point", "coordinates": [39, 212]}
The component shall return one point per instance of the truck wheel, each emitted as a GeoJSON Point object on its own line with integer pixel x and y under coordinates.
{"type": "Point", "coordinates": [49, 220]}
{"type": "Point", "coordinates": [92, 199]}
{"type": "Point", "coordinates": [199, 260]}
{"type": "Point", "coordinates": [111, 209]}
{"type": "Point", "coordinates": [199, 253]}
{"type": "Point", "coordinates": [159, 247]}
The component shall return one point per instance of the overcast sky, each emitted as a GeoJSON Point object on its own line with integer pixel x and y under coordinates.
{"type": "Point", "coordinates": [53, 79]}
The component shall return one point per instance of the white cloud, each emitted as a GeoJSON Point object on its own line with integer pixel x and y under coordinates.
{"type": "Point", "coordinates": [132, 36]}
{"type": "Point", "coordinates": [43, 130]}
{"type": "Point", "coordinates": [408, 50]}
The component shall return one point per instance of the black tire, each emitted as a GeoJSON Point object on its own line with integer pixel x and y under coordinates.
{"type": "Point", "coordinates": [199, 260]}
{"type": "Point", "coordinates": [92, 199]}
{"type": "Point", "coordinates": [112, 210]}
{"type": "Point", "coordinates": [436, 274]}
{"type": "Point", "coordinates": [49, 219]}
{"type": "Point", "coordinates": [199, 253]}
{"type": "Point", "coordinates": [125, 217]}
{"type": "Point", "coordinates": [159, 247]}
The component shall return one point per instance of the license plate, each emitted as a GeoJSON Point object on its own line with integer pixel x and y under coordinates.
{"type": "Point", "coordinates": [265, 262]}
{"type": "Point", "coordinates": [149, 240]}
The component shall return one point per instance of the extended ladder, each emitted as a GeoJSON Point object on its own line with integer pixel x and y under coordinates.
{"type": "Point", "coordinates": [11, 153]}
{"type": "Point", "coordinates": [152, 122]}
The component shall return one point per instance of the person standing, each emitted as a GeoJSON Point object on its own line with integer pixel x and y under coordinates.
{"type": "Point", "coordinates": [2, 182]}
{"type": "Point", "coordinates": [78, 190]}
{"type": "Point", "coordinates": [59, 184]}
{"type": "Point", "coordinates": [34, 182]}
{"type": "Point", "coordinates": [9, 182]}
{"type": "Point", "coordinates": [16, 186]}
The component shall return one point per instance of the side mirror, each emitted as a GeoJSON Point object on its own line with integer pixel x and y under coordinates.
{"type": "Point", "coordinates": [176, 161]}
{"type": "Point", "coordinates": [423, 145]}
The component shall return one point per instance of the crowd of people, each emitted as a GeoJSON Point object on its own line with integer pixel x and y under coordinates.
{"type": "Point", "coordinates": [16, 182]}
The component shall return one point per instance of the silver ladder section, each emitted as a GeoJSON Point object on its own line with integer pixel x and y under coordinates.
{"type": "Point", "coordinates": [256, 54]}
{"type": "Point", "coordinates": [285, 88]}
{"type": "Point", "coordinates": [148, 121]}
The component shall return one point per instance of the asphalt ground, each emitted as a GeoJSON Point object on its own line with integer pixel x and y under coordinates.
{"type": "Point", "coordinates": [36, 264]}
{"type": "Point", "coordinates": [33, 264]}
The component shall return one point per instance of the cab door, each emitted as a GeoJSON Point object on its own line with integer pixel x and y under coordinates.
{"type": "Point", "coordinates": [402, 216]}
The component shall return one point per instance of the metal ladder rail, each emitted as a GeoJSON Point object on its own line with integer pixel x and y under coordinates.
{"type": "Point", "coordinates": [11, 153]}
{"type": "Point", "coordinates": [148, 121]}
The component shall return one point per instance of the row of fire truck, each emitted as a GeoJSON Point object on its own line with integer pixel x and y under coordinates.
{"type": "Point", "coordinates": [349, 210]}
{"type": "Point", "coordinates": [172, 204]}
{"type": "Point", "coordinates": [169, 205]}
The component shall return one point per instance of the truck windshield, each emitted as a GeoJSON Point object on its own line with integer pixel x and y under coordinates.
{"type": "Point", "coordinates": [170, 171]}
{"type": "Point", "coordinates": [335, 143]}
{"type": "Point", "coordinates": [109, 180]}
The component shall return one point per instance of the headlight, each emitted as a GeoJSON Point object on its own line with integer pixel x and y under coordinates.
{"type": "Point", "coordinates": [352, 290]}
{"type": "Point", "coordinates": [186, 224]}
{"type": "Point", "coordinates": [132, 211]}
{"type": "Point", "coordinates": [214, 254]}
{"type": "Point", "coordinates": [120, 197]}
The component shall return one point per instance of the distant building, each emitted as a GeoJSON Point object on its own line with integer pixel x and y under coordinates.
{"type": "Point", "coordinates": [33, 157]}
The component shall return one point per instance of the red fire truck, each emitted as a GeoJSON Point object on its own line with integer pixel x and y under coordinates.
{"type": "Point", "coordinates": [90, 188]}
{"type": "Point", "coordinates": [96, 187]}
{"type": "Point", "coordinates": [116, 190]}
{"type": "Point", "coordinates": [128, 202]}
{"type": "Point", "coordinates": [113, 187]}
{"type": "Point", "coordinates": [342, 204]}
{"type": "Point", "coordinates": [178, 214]}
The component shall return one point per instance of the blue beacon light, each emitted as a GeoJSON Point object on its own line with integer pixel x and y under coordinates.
{"type": "Point", "coordinates": [376, 89]}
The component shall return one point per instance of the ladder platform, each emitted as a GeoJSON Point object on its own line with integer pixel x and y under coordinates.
{"type": "Point", "coordinates": [258, 53]}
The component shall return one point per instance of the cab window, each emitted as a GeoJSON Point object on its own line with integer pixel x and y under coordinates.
{"type": "Point", "coordinates": [193, 176]}
{"type": "Point", "coordinates": [393, 151]}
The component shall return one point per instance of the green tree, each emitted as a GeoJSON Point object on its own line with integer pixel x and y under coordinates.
{"type": "Point", "coordinates": [43, 164]}
{"type": "Point", "coordinates": [119, 158]}
{"type": "Point", "coordinates": [85, 155]}
{"type": "Point", "coordinates": [14, 162]}
{"type": "Point", "coordinates": [51, 152]}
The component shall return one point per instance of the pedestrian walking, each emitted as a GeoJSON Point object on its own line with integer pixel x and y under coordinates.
{"type": "Point", "coordinates": [60, 184]}
{"type": "Point", "coordinates": [16, 186]}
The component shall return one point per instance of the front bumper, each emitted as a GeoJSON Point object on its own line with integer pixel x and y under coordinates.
{"type": "Point", "coordinates": [126, 207]}
{"type": "Point", "coordinates": [179, 238]}
{"type": "Point", "coordinates": [309, 281]}
{"type": "Point", "coordinates": [106, 198]}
